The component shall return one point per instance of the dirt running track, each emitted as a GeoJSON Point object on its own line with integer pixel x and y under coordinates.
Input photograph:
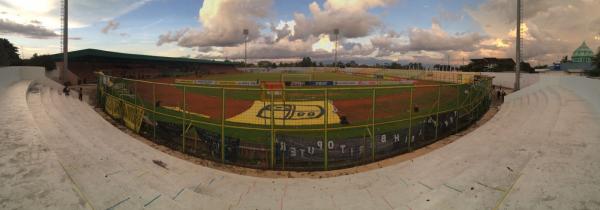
{"type": "Point", "coordinates": [356, 110]}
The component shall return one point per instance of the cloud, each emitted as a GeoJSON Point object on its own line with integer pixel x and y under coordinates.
{"type": "Point", "coordinates": [222, 23]}
{"type": "Point", "coordinates": [110, 26]}
{"type": "Point", "coordinates": [82, 12]}
{"type": "Point", "coordinates": [171, 36]}
{"type": "Point", "coordinates": [351, 17]}
{"type": "Point", "coordinates": [436, 39]}
{"type": "Point", "coordinates": [555, 28]}
{"type": "Point", "coordinates": [27, 30]}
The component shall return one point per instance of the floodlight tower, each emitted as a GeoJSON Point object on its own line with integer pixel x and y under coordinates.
{"type": "Point", "coordinates": [336, 32]}
{"type": "Point", "coordinates": [65, 41]}
{"type": "Point", "coordinates": [518, 47]}
{"type": "Point", "coordinates": [246, 32]}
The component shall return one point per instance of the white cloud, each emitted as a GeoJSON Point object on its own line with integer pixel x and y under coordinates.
{"type": "Point", "coordinates": [351, 17]}
{"type": "Point", "coordinates": [110, 26]}
{"type": "Point", "coordinates": [555, 28]}
{"type": "Point", "coordinates": [82, 13]}
{"type": "Point", "coordinates": [222, 23]}
{"type": "Point", "coordinates": [27, 30]}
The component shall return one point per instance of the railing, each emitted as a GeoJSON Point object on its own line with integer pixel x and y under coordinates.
{"type": "Point", "coordinates": [299, 128]}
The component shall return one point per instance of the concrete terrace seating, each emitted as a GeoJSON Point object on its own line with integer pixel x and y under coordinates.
{"type": "Point", "coordinates": [539, 151]}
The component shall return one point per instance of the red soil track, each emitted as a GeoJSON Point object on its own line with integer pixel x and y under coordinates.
{"type": "Point", "coordinates": [387, 106]}
{"type": "Point", "coordinates": [355, 110]}
{"type": "Point", "coordinates": [197, 103]}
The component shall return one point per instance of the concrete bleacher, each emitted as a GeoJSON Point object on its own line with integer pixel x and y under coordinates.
{"type": "Point", "coordinates": [539, 152]}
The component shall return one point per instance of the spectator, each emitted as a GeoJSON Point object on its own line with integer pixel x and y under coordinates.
{"type": "Point", "coordinates": [416, 108]}
{"type": "Point", "coordinates": [80, 93]}
{"type": "Point", "coordinates": [66, 90]}
{"type": "Point", "coordinates": [498, 93]}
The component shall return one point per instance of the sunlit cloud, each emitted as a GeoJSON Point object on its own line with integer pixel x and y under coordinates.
{"type": "Point", "coordinates": [324, 43]}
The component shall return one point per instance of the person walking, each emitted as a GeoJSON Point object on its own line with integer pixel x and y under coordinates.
{"type": "Point", "coordinates": [80, 93]}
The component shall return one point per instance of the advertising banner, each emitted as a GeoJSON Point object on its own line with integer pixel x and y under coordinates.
{"type": "Point", "coordinates": [112, 107]}
{"type": "Point", "coordinates": [132, 116]}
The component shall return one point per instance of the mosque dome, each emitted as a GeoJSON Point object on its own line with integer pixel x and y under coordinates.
{"type": "Point", "coordinates": [583, 54]}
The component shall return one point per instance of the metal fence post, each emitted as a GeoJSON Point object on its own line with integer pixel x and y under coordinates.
{"type": "Point", "coordinates": [222, 125]}
{"type": "Point", "coordinates": [154, 111]}
{"type": "Point", "coordinates": [373, 125]}
{"type": "Point", "coordinates": [437, 113]}
{"type": "Point", "coordinates": [272, 131]}
{"type": "Point", "coordinates": [457, 109]}
{"type": "Point", "coordinates": [183, 123]}
{"type": "Point", "coordinates": [410, 110]}
{"type": "Point", "coordinates": [98, 89]}
{"type": "Point", "coordinates": [135, 93]}
{"type": "Point", "coordinates": [326, 151]}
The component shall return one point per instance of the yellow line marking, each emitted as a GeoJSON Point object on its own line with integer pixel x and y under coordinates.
{"type": "Point", "coordinates": [507, 192]}
{"type": "Point", "coordinates": [87, 201]}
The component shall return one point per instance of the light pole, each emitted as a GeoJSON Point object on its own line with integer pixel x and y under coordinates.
{"type": "Point", "coordinates": [66, 35]}
{"type": "Point", "coordinates": [336, 32]}
{"type": "Point", "coordinates": [518, 41]}
{"type": "Point", "coordinates": [246, 32]}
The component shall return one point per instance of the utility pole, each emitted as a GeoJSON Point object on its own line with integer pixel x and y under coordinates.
{"type": "Point", "coordinates": [448, 59]}
{"type": "Point", "coordinates": [336, 32]}
{"type": "Point", "coordinates": [518, 41]}
{"type": "Point", "coordinates": [246, 32]}
{"type": "Point", "coordinates": [65, 35]}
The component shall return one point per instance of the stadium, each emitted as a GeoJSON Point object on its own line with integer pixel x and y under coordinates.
{"type": "Point", "coordinates": [394, 122]}
{"type": "Point", "coordinates": [299, 119]}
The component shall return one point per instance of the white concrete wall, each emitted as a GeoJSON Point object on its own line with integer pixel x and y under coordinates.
{"type": "Point", "coordinates": [13, 74]}
{"type": "Point", "coordinates": [507, 79]}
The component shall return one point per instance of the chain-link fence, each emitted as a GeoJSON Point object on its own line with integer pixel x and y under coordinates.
{"type": "Point", "coordinates": [297, 128]}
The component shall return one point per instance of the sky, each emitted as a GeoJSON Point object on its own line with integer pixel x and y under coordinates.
{"type": "Point", "coordinates": [370, 31]}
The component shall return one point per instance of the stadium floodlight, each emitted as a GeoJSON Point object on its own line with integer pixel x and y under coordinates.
{"type": "Point", "coordinates": [65, 34]}
{"type": "Point", "coordinates": [336, 32]}
{"type": "Point", "coordinates": [518, 47]}
{"type": "Point", "coordinates": [246, 32]}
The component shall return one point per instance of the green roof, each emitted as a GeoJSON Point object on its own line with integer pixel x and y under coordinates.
{"type": "Point", "coordinates": [126, 56]}
{"type": "Point", "coordinates": [583, 51]}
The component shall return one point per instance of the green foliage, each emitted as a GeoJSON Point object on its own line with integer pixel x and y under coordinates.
{"type": "Point", "coordinates": [595, 62]}
{"type": "Point", "coordinates": [45, 61]}
{"type": "Point", "coordinates": [9, 54]}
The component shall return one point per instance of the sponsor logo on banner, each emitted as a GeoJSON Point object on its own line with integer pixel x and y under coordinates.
{"type": "Point", "coordinates": [291, 112]}
{"type": "Point", "coordinates": [346, 83]}
{"type": "Point", "coordinates": [184, 81]}
{"type": "Point", "coordinates": [226, 83]}
{"type": "Point", "coordinates": [205, 82]}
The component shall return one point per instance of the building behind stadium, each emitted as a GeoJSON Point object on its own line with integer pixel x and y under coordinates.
{"type": "Point", "coordinates": [83, 64]}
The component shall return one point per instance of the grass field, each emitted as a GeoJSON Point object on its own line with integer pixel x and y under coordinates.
{"type": "Point", "coordinates": [276, 76]}
{"type": "Point", "coordinates": [390, 110]}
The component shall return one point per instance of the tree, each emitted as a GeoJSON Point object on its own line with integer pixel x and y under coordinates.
{"type": "Point", "coordinates": [596, 62]}
{"type": "Point", "coordinates": [306, 62]}
{"type": "Point", "coordinates": [526, 67]}
{"type": "Point", "coordinates": [9, 54]}
{"type": "Point", "coordinates": [45, 61]}
{"type": "Point", "coordinates": [351, 64]}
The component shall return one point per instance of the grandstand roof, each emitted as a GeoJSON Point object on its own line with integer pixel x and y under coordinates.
{"type": "Point", "coordinates": [95, 53]}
